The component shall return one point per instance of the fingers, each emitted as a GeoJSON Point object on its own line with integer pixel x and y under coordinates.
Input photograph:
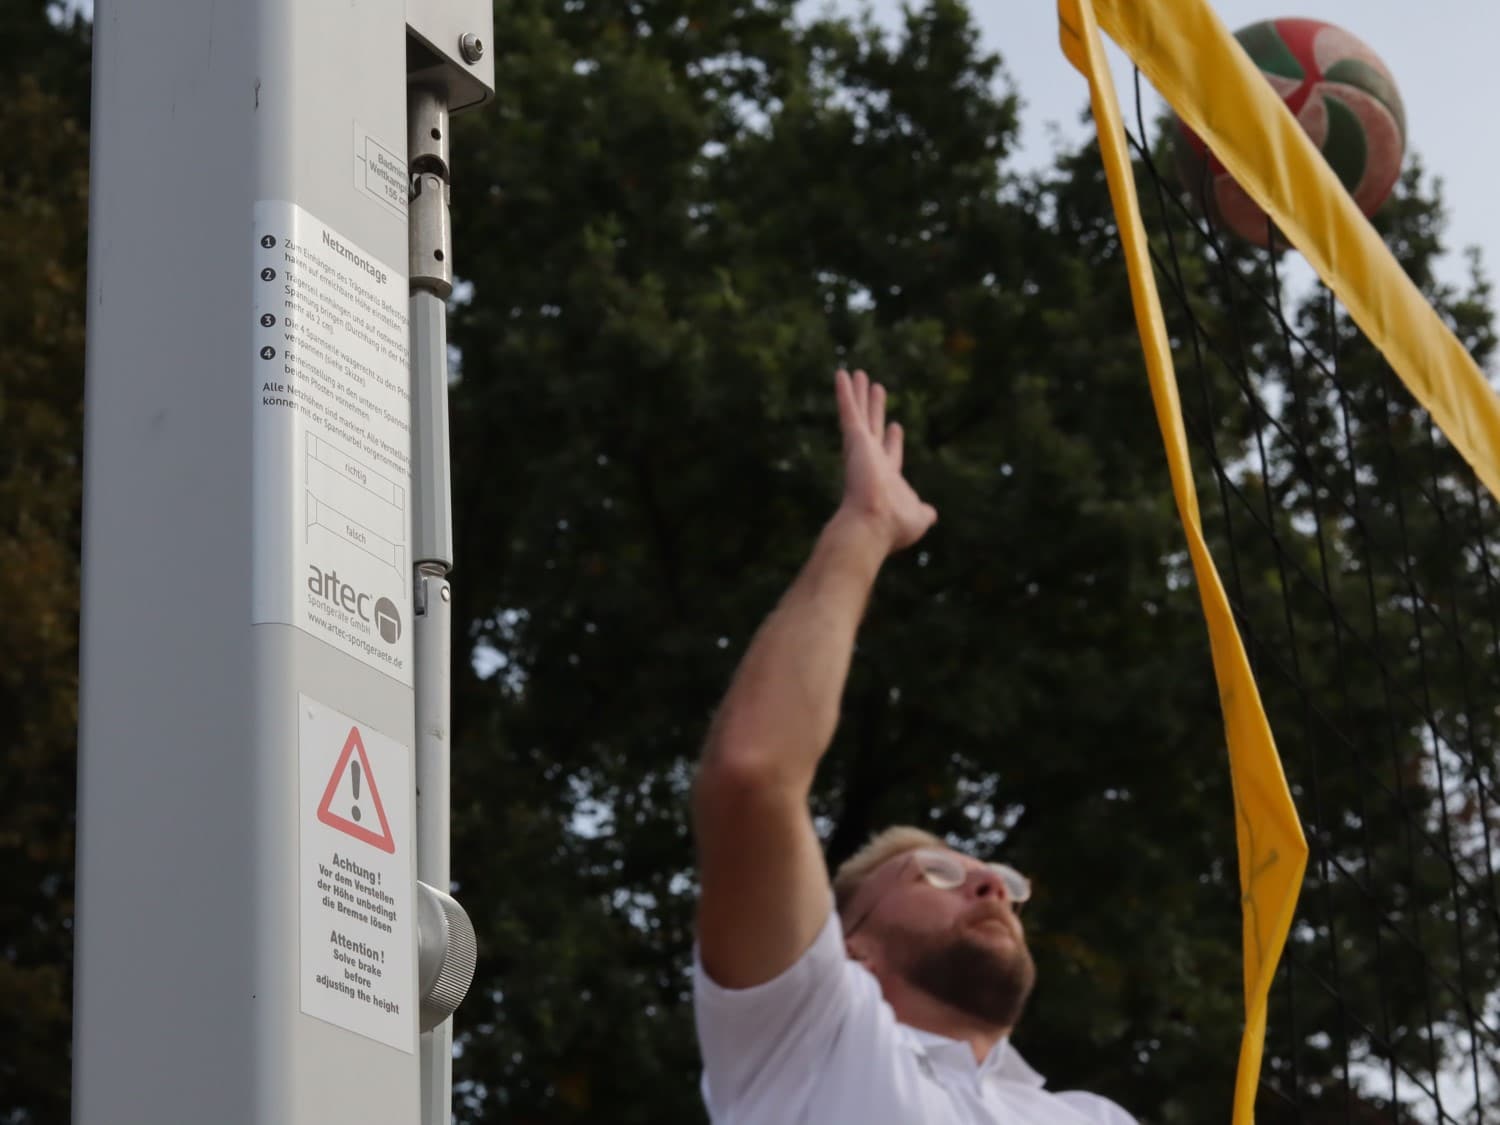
{"type": "Point", "coordinates": [851, 410]}
{"type": "Point", "coordinates": [895, 444]}
{"type": "Point", "coordinates": [862, 403]}
{"type": "Point", "coordinates": [861, 383]}
{"type": "Point", "coordinates": [877, 411]}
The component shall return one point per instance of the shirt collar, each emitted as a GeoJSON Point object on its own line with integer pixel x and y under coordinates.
{"type": "Point", "coordinates": [1003, 1061]}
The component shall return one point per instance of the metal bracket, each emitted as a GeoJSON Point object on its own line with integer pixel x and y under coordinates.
{"type": "Point", "coordinates": [448, 48]}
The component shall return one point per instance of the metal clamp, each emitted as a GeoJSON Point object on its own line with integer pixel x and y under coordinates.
{"type": "Point", "coordinates": [427, 155]}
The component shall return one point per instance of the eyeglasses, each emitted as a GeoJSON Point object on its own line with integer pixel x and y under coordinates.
{"type": "Point", "coordinates": [946, 871]}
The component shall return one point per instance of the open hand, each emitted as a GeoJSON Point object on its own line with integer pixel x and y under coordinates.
{"type": "Point", "coordinates": [874, 488]}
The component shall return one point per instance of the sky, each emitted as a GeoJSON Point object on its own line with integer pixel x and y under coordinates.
{"type": "Point", "coordinates": [1441, 52]}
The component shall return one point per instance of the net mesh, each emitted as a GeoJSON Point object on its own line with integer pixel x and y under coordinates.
{"type": "Point", "coordinates": [1359, 552]}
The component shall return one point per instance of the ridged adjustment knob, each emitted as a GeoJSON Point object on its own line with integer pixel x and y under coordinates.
{"type": "Point", "coordinates": [447, 951]}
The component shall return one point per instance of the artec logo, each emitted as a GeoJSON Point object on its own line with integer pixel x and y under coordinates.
{"type": "Point", "coordinates": [327, 585]}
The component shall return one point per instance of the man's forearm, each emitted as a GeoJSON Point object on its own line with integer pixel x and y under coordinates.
{"type": "Point", "coordinates": [781, 710]}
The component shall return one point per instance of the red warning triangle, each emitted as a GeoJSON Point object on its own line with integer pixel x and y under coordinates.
{"type": "Point", "coordinates": [382, 839]}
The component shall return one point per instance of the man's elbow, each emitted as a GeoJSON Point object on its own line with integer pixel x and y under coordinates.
{"type": "Point", "coordinates": [735, 779]}
{"type": "Point", "coordinates": [738, 776]}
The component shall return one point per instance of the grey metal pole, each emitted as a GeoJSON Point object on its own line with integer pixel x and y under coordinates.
{"type": "Point", "coordinates": [432, 536]}
{"type": "Point", "coordinates": [447, 71]}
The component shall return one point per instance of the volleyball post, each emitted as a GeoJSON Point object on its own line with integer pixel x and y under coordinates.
{"type": "Point", "coordinates": [263, 932]}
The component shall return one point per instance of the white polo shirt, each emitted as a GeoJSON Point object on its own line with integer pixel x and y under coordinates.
{"type": "Point", "coordinates": [819, 1045]}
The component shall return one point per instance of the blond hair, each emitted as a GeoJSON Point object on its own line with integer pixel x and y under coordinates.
{"type": "Point", "coordinates": [894, 841]}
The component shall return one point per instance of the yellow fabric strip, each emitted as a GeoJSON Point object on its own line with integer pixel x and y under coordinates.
{"type": "Point", "coordinates": [1272, 850]}
{"type": "Point", "coordinates": [1196, 64]}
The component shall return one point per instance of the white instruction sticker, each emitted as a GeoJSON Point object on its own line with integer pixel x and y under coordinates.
{"type": "Point", "coordinates": [332, 440]}
{"type": "Point", "coordinates": [356, 877]}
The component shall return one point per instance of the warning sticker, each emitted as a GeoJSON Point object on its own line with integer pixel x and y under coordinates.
{"type": "Point", "coordinates": [357, 966]}
{"type": "Point", "coordinates": [347, 769]}
{"type": "Point", "coordinates": [332, 436]}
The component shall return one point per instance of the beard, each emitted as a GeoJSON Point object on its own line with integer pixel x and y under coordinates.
{"type": "Point", "coordinates": [987, 983]}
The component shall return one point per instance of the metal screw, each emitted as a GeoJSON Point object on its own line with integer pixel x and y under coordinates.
{"type": "Point", "coordinates": [472, 47]}
{"type": "Point", "coordinates": [446, 593]}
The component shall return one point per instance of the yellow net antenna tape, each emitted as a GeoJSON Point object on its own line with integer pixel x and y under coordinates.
{"type": "Point", "coordinates": [1272, 849]}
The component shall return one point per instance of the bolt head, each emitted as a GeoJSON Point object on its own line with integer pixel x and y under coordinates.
{"type": "Point", "coordinates": [471, 47]}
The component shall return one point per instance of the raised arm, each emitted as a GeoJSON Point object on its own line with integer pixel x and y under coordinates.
{"type": "Point", "coordinates": [765, 891]}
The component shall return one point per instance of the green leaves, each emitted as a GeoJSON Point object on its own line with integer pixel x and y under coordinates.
{"type": "Point", "coordinates": [645, 446]}
{"type": "Point", "coordinates": [43, 225]}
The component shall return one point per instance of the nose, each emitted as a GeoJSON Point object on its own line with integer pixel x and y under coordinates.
{"type": "Point", "coordinates": [985, 883]}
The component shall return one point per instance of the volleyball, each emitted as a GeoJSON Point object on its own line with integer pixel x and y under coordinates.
{"type": "Point", "coordinates": [1340, 93]}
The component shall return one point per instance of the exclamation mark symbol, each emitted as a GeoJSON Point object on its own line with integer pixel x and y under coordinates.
{"type": "Point", "coordinates": [354, 777]}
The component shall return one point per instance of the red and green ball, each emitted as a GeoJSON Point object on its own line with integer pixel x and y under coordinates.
{"type": "Point", "coordinates": [1341, 94]}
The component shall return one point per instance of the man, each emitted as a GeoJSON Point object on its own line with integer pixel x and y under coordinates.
{"type": "Point", "coordinates": [890, 997]}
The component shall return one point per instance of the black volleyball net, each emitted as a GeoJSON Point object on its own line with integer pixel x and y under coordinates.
{"type": "Point", "coordinates": [1359, 551]}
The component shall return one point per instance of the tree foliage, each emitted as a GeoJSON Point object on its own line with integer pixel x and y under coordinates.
{"type": "Point", "coordinates": [43, 225]}
{"type": "Point", "coordinates": [645, 384]}
{"type": "Point", "coordinates": [671, 224]}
